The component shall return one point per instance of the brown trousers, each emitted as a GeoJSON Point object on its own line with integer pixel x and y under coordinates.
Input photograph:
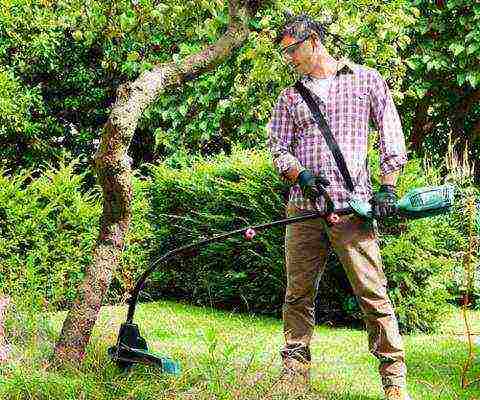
{"type": "Point", "coordinates": [355, 242]}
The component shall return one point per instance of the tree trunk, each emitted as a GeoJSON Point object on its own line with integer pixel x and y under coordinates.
{"type": "Point", "coordinates": [114, 174]}
{"type": "Point", "coordinates": [462, 138]}
{"type": "Point", "coordinates": [421, 126]}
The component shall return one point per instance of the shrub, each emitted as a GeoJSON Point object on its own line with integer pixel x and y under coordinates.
{"type": "Point", "coordinates": [48, 226]}
{"type": "Point", "coordinates": [213, 197]}
{"type": "Point", "coordinates": [47, 230]}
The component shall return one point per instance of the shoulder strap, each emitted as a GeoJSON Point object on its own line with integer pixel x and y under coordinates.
{"type": "Point", "coordinates": [327, 133]}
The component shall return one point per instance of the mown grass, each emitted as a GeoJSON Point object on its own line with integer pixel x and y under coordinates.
{"type": "Point", "coordinates": [226, 356]}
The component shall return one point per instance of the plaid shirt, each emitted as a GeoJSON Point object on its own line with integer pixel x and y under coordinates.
{"type": "Point", "coordinates": [357, 94]}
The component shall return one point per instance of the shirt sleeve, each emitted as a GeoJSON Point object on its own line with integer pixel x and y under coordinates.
{"type": "Point", "coordinates": [393, 153]}
{"type": "Point", "coordinates": [280, 131]}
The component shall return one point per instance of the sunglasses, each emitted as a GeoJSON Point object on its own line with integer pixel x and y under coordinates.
{"type": "Point", "coordinates": [292, 48]}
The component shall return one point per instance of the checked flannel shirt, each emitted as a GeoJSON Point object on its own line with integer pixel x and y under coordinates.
{"type": "Point", "coordinates": [357, 95]}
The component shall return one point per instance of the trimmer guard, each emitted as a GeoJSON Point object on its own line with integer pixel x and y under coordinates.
{"type": "Point", "coordinates": [131, 348]}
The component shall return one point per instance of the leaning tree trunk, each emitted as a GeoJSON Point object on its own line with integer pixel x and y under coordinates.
{"type": "Point", "coordinates": [114, 174]}
{"type": "Point", "coordinates": [462, 138]}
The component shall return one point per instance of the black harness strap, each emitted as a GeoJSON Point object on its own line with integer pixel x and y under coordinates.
{"type": "Point", "coordinates": [327, 133]}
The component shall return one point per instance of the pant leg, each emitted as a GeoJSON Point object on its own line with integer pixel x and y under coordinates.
{"type": "Point", "coordinates": [306, 249]}
{"type": "Point", "coordinates": [355, 242]}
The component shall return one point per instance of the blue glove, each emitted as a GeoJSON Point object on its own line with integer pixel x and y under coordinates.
{"type": "Point", "coordinates": [312, 186]}
{"type": "Point", "coordinates": [384, 202]}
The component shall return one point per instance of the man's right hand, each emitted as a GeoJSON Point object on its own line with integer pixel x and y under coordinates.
{"type": "Point", "coordinates": [312, 186]}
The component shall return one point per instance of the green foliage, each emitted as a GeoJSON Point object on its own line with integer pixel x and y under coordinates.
{"type": "Point", "coordinates": [232, 104]}
{"type": "Point", "coordinates": [48, 226]}
{"type": "Point", "coordinates": [443, 79]}
{"type": "Point", "coordinates": [45, 224]}
{"type": "Point", "coordinates": [14, 108]}
{"type": "Point", "coordinates": [419, 266]}
{"type": "Point", "coordinates": [213, 197]}
{"type": "Point", "coordinates": [465, 278]}
{"type": "Point", "coordinates": [66, 60]}
{"type": "Point", "coordinates": [448, 35]}
{"type": "Point", "coordinates": [61, 63]}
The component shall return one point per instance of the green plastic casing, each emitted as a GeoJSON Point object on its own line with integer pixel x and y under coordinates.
{"type": "Point", "coordinates": [422, 202]}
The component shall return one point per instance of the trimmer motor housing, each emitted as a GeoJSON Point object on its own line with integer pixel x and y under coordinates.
{"type": "Point", "coordinates": [422, 202]}
{"type": "Point", "coordinates": [426, 202]}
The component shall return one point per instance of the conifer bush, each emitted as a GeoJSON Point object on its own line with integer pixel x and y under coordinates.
{"type": "Point", "coordinates": [48, 226]}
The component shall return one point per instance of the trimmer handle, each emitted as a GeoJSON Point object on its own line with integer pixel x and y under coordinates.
{"type": "Point", "coordinates": [331, 217]}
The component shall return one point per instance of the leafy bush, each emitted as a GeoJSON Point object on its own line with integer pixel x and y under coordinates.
{"type": "Point", "coordinates": [48, 226]}
{"type": "Point", "coordinates": [209, 198]}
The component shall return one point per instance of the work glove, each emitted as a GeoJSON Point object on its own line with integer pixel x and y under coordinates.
{"type": "Point", "coordinates": [312, 186]}
{"type": "Point", "coordinates": [384, 202]}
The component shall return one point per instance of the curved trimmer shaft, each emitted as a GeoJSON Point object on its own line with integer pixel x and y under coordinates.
{"type": "Point", "coordinates": [218, 238]}
{"type": "Point", "coordinates": [131, 348]}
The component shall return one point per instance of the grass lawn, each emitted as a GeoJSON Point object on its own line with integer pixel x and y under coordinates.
{"type": "Point", "coordinates": [228, 356]}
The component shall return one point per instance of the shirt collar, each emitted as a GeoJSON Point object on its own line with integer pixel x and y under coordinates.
{"type": "Point", "coordinates": [344, 66]}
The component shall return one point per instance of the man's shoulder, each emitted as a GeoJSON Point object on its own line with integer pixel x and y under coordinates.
{"type": "Point", "coordinates": [369, 73]}
{"type": "Point", "coordinates": [364, 71]}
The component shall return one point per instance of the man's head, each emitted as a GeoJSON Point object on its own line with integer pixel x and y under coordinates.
{"type": "Point", "coordinates": [301, 40]}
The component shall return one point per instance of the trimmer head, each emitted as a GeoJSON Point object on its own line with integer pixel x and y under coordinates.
{"type": "Point", "coordinates": [131, 349]}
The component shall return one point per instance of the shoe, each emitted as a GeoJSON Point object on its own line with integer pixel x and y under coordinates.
{"type": "Point", "coordinates": [396, 393]}
{"type": "Point", "coordinates": [293, 380]}
{"type": "Point", "coordinates": [294, 370]}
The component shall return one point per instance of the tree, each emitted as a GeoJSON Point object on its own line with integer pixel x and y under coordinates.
{"type": "Point", "coordinates": [442, 86]}
{"type": "Point", "coordinates": [114, 173]}
{"type": "Point", "coordinates": [62, 62]}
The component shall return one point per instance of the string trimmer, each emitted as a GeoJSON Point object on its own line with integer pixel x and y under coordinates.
{"type": "Point", "coordinates": [131, 348]}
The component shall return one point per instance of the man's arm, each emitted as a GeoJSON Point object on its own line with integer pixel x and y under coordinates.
{"type": "Point", "coordinates": [280, 136]}
{"type": "Point", "coordinates": [393, 154]}
{"type": "Point", "coordinates": [390, 179]}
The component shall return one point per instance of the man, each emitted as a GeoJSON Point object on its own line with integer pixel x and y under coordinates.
{"type": "Point", "coordinates": [349, 96]}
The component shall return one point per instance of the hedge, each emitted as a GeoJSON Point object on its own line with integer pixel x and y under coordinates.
{"type": "Point", "coordinates": [212, 196]}
{"type": "Point", "coordinates": [48, 226]}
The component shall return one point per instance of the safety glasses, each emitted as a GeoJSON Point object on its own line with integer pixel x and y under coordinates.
{"type": "Point", "coordinates": [292, 48]}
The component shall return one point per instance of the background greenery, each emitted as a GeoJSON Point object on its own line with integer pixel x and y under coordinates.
{"type": "Point", "coordinates": [60, 64]}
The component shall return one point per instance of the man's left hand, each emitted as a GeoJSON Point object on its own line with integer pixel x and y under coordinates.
{"type": "Point", "coordinates": [384, 202]}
